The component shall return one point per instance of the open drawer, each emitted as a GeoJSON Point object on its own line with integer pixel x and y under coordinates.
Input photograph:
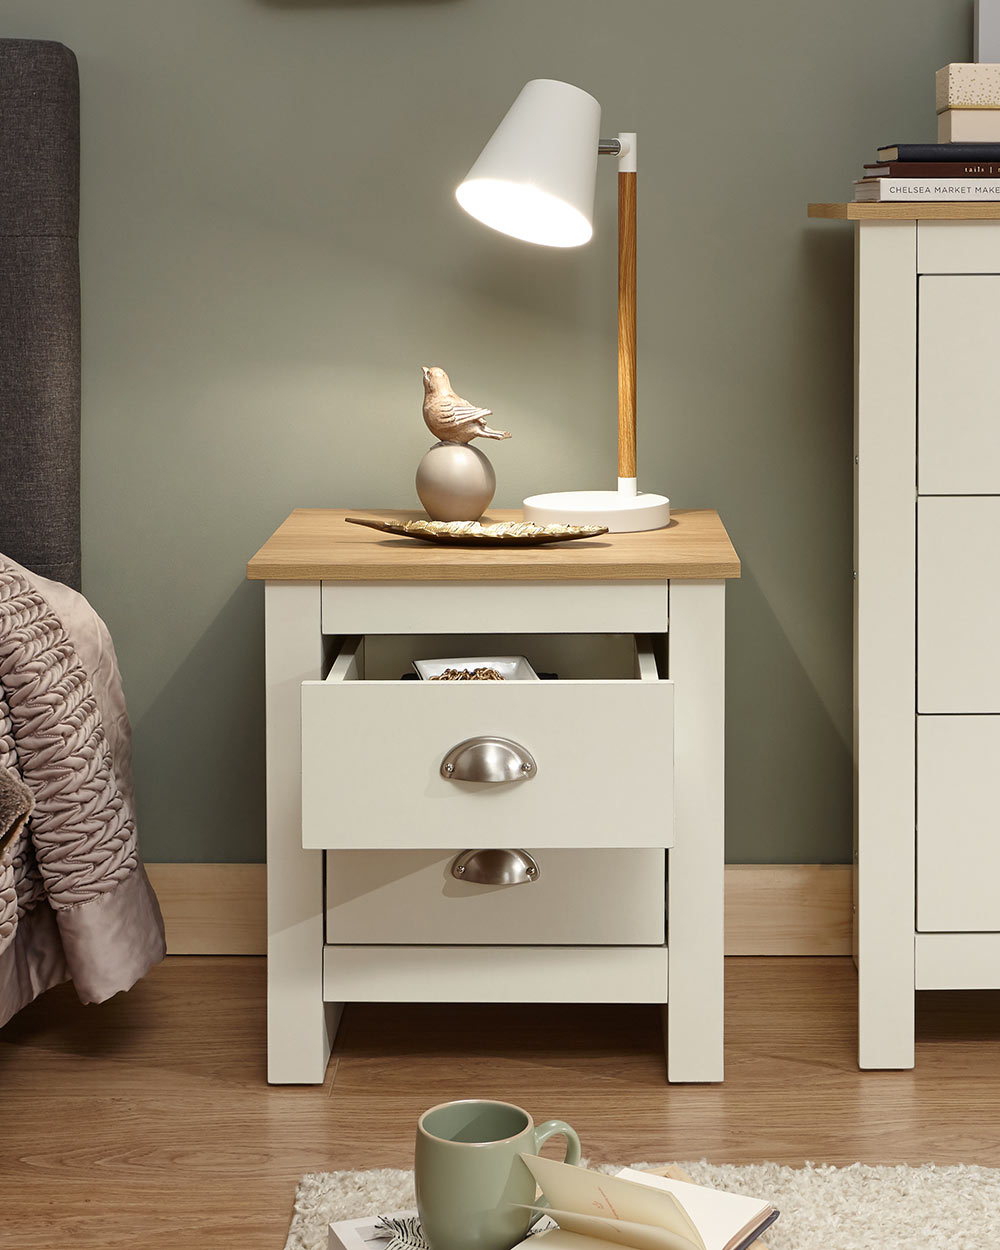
{"type": "Point", "coordinates": [582, 762]}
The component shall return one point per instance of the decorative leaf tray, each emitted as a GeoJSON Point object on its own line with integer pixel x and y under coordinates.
{"type": "Point", "coordinates": [473, 534]}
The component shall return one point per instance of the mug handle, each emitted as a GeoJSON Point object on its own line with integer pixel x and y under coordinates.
{"type": "Point", "coordinates": [555, 1128]}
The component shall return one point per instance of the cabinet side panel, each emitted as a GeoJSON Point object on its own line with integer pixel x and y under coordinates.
{"type": "Point", "coordinates": [695, 877]}
{"type": "Point", "coordinates": [885, 652]}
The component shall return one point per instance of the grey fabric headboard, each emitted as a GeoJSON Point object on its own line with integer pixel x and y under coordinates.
{"type": "Point", "coordinates": [40, 308]}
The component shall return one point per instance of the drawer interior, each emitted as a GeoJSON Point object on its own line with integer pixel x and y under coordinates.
{"type": "Point", "coordinates": [573, 657]}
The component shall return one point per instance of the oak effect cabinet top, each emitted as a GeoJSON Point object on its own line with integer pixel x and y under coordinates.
{"type": "Point", "coordinates": [317, 543]}
{"type": "Point", "coordinates": [928, 210]}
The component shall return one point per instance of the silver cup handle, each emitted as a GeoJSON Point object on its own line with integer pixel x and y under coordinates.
{"type": "Point", "coordinates": [495, 867]}
{"type": "Point", "coordinates": [489, 760]}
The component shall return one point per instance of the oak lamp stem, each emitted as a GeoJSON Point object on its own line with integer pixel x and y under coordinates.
{"type": "Point", "coordinates": [627, 315]}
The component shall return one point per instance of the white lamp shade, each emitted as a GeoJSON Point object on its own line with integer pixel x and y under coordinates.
{"type": "Point", "coordinates": [535, 178]}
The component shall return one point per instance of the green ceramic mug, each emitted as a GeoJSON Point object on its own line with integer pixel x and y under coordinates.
{"type": "Point", "coordinates": [468, 1175]}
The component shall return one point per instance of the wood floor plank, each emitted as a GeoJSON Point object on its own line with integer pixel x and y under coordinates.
{"type": "Point", "coordinates": [147, 1121]}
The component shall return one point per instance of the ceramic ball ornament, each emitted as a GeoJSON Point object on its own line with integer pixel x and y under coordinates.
{"type": "Point", "coordinates": [455, 482]}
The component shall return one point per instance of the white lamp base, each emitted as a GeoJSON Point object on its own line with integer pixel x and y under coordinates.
{"type": "Point", "coordinates": [621, 512]}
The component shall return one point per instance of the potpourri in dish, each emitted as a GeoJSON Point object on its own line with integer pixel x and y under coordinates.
{"type": "Point", "coordinates": [468, 674]}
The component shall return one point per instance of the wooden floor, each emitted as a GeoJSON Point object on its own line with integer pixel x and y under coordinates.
{"type": "Point", "coordinates": [146, 1122]}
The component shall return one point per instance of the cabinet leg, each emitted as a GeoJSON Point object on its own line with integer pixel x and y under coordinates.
{"type": "Point", "coordinates": [885, 653]}
{"type": "Point", "coordinates": [886, 973]}
{"type": "Point", "coordinates": [695, 884]}
{"type": "Point", "coordinates": [300, 1026]}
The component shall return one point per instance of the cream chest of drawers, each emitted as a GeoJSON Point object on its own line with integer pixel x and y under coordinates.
{"type": "Point", "coordinates": [927, 603]}
{"type": "Point", "coordinates": [620, 799]}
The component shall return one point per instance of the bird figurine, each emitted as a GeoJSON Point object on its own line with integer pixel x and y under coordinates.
{"type": "Point", "coordinates": [449, 417]}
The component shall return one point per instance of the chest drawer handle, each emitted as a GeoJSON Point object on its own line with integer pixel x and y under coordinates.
{"type": "Point", "coordinates": [495, 867]}
{"type": "Point", "coordinates": [488, 759]}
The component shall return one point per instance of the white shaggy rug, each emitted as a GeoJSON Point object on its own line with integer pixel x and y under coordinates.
{"type": "Point", "coordinates": [822, 1208]}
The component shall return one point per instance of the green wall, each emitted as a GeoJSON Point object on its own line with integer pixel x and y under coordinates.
{"type": "Point", "coordinates": [270, 249]}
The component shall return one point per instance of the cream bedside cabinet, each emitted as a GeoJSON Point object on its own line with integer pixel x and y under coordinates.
{"type": "Point", "coordinates": [620, 801]}
{"type": "Point", "coordinates": [927, 602]}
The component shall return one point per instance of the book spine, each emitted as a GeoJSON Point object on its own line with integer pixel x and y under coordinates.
{"type": "Point", "coordinates": [967, 86]}
{"type": "Point", "coordinates": [972, 189]}
{"type": "Point", "coordinates": [941, 152]}
{"type": "Point", "coordinates": [937, 169]}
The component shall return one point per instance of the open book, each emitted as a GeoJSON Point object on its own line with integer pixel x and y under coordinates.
{"type": "Point", "coordinates": [641, 1211]}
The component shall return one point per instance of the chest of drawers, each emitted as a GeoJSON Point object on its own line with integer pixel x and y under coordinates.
{"type": "Point", "coordinates": [927, 602]}
{"type": "Point", "coordinates": [618, 799]}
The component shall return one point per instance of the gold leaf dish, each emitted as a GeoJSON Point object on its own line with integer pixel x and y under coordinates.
{"type": "Point", "coordinates": [474, 534]}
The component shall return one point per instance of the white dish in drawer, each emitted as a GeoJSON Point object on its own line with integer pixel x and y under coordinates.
{"type": "Point", "coordinates": [599, 758]}
{"type": "Point", "coordinates": [510, 667]}
{"type": "Point", "coordinates": [411, 898]}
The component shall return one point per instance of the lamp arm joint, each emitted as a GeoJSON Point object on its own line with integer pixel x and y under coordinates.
{"type": "Point", "coordinates": [624, 148]}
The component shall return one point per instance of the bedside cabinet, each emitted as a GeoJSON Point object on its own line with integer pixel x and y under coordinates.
{"type": "Point", "coordinates": [927, 600]}
{"type": "Point", "coordinates": [608, 773]}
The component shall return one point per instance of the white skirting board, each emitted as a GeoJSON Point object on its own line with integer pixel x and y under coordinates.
{"type": "Point", "coordinates": [771, 909]}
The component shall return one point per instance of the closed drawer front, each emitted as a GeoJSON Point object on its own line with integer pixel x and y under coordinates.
{"type": "Point", "coordinates": [958, 247]}
{"type": "Point", "coordinates": [958, 604]}
{"type": "Point", "coordinates": [563, 607]}
{"type": "Point", "coordinates": [580, 898]}
{"type": "Point", "coordinates": [958, 824]}
{"type": "Point", "coordinates": [372, 755]}
{"type": "Point", "coordinates": [958, 410]}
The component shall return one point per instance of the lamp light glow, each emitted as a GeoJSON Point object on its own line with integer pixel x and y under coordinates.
{"type": "Point", "coordinates": [535, 178]}
{"type": "Point", "coordinates": [524, 212]}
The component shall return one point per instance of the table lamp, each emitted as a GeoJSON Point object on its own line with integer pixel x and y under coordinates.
{"type": "Point", "coordinates": [535, 180]}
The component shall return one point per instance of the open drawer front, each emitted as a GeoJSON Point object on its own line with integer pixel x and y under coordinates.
{"type": "Point", "coordinates": [599, 754]}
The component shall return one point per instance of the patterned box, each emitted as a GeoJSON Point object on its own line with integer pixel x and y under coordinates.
{"type": "Point", "coordinates": [968, 87]}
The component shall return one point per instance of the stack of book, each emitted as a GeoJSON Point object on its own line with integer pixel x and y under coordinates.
{"type": "Point", "coordinates": [964, 165]}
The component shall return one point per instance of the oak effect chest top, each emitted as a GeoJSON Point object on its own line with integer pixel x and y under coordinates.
{"type": "Point", "coordinates": [318, 543]}
{"type": "Point", "coordinates": [494, 841]}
